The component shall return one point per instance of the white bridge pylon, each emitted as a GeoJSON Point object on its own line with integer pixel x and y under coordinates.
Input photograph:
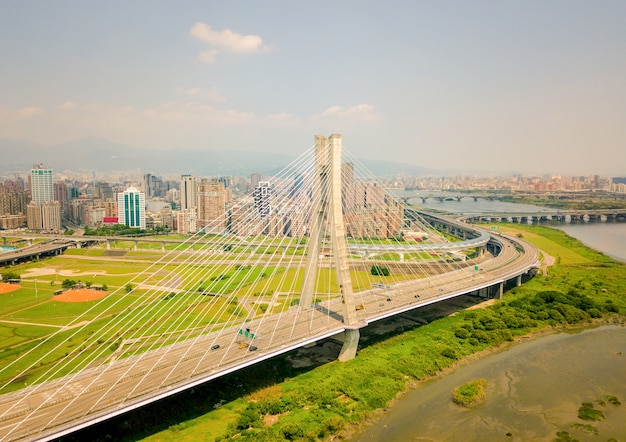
{"type": "Point", "coordinates": [327, 183]}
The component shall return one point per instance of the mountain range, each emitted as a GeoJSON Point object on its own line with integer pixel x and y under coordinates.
{"type": "Point", "coordinates": [103, 155]}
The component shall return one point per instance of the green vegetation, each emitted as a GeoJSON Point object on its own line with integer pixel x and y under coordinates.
{"type": "Point", "coordinates": [274, 400]}
{"type": "Point", "coordinates": [122, 230]}
{"type": "Point", "coordinates": [9, 275]}
{"type": "Point", "coordinates": [319, 403]}
{"type": "Point", "coordinates": [377, 270]}
{"type": "Point", "coordinates": [591, 202]}
{"type": "Point", "coordinates": [587, 412]}
{"type": "Point", "coordinates": [470, 393]}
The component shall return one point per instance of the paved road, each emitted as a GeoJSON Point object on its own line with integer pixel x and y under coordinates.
{"type": "Point", "coordinates": [49, 410]}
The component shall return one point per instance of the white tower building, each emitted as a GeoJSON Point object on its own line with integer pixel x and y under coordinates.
{"type": "Point", "coordinates": [131, 208]}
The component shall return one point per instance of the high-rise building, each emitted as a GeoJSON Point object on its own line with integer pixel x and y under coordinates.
{"type": "Point", "coordinates": [211, 203]}
{"type": "Point", "coordinates": [43, 212]}
{"type": "Point", "coordinates": [186, 221]}
{"type": "Point", "coordinates": [41, 185]}
{"type": "Point", "coordinates": [152, 185]}
{"type": "Point", "coordinates": [188, 192]}
{"type": "Point", "coordinates": [262, 198]}
{"type": "Point", "coordinates": [51, 215]}
{"type": "Point", "coordinates": [131, 208]}
{"type": "Point", "coordinates": [104, 191]}
{"type": "Point", "coordinates": [255, 179]}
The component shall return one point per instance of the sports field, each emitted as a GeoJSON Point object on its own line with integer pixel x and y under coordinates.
{"type": "Point", "coordinates": [7, 288]}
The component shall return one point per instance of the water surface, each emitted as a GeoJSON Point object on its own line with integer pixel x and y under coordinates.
{"type": "Point", "coordinates": [534, 390]}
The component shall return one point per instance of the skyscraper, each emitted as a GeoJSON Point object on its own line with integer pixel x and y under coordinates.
{"type": "Point", "coordinates": [211, 203]}
{"type": "Point", "coordinates": [41, 185]}
{"type": "Point", "coordinates": [262, 197]}
{"type": "Point", "coordinates": [188, 192]}
{"type": "Point", "coordinates": [255, 178]}
{"type": "Point", "coordinates": [131, 208]}
{"type": "Point", "coordinates": [43, 212]}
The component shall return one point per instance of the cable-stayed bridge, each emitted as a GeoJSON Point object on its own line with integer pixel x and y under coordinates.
{"type": "Point", "coordinates": [319, 250]}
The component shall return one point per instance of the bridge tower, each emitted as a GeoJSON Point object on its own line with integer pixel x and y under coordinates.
{"type": "Point", "coordinates": [328, 206]}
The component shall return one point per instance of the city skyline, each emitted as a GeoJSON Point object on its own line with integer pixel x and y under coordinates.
{"type": "Point", "coordinates": [523, 87]}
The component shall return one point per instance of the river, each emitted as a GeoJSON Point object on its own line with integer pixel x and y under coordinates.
{"type": "Point", "coordinates": [607, 237]}
{"type": "Point", "coordinates": [534, 388]}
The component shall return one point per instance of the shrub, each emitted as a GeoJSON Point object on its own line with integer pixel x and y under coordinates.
{"type": "Point", "coordinates": [462, 333]}
{"type": "Point", "coordinates": [588, 413]}
{"type": "Point", "coordinates": [291, 431]}
{"type": "Point", "coordinates": [449, 353]}
{"type": "Point", "coordinates": [609, 306]}
{"type": "Point", "coordinates": [10, 275]}
{"type": "Point", "coordinates": [594, 313]}
{"type": "Point", "coordinates": [250, 417]}
{"type": "Point", "coordinates": [68, 283]}
{"type": "Point", "coordinates": [377, 270]}
{"type": "Point", "coordinates": [470, 393]}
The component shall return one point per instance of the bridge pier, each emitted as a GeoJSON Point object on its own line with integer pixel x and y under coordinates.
{"type": "Point", "coordinates": [135, 246]}
{"type": "Point", "coordinates": [108, 247]}
{"type": "Point", "coordinates": [163, 246]}
{"type": "Point", "coordinates": [518, 280]}
{"type": "Point", "coordinates": [350, 344]}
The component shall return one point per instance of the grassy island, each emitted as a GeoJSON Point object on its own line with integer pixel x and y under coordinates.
{"type": "Point", "coordinates": [470, 393]}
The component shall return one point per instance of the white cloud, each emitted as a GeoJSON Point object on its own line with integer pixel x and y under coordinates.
{"type": "Point", "coordinates": [225, 40]}
{"type": "Point", "coordinates": [360, 112]}
{"type": "Point", "coordinates": [212, 94]}
{"type": "Point", "coordinates": [284, 119]}
{"type": "Point", "coordinates": [30, 111]}
{"type": "Point", "coordinates": [68, 105]}
{"type": "Point", "coordinates": [207, 56]}
{"type": "Point", "coordinates": [191, 112]}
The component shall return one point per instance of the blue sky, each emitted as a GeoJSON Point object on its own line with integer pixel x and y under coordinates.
{"type": "Point", "coordinates": [527, 86]}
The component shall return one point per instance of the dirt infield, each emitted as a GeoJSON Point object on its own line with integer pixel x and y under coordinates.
{"type": "Point", "coordinates": [8, 288]}
{"type": "Point", "coordinates": [80, 295]}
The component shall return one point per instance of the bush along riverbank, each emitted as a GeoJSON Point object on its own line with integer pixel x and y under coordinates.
{"type": "Point", "coordinates": [275, 401]}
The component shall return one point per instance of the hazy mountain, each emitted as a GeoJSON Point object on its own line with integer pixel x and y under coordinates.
{"type": "Point", "coordinates": [103, 155]}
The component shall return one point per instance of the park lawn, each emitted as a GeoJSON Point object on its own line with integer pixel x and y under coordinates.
{"type": "Point", "coordinates": [230, 279]}
{"type": "Point", "coordinates": [213, 310]}
{"type": "Point", "coordinates": [65, 313]}
{"type": "Point", "coordinates": [76, 347]}
{"type": "Point", "coordinates": [560, 246]}
{"type": "Point", "coordinates": [15, 334]}
{"type": "Point", "coordinates": [21, 299]}
{"type": "Point", "coordinates": [90, 251]}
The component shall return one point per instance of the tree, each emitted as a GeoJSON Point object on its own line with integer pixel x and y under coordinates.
{"type": "Point", "coordinates": [68, 283]}
{"type": "Point", "coordinates": [377, 270]}
{"type": "Point", "coordinates": [129, 288]}
{"type": "Point", "coordinates": [10, 275]}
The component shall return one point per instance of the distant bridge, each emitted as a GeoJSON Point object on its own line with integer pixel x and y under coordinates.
{"type": "Point", "coordinates": [608, 215]}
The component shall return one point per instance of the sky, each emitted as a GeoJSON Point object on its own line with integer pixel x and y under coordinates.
{"type": "Point", "coordinates": [526, 86]}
